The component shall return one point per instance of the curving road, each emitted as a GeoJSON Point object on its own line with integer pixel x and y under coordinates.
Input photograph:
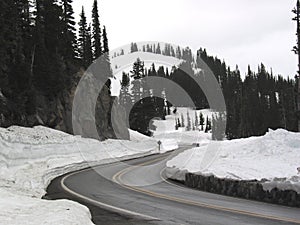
{"type": "Point", "coordinates": [126, 193]}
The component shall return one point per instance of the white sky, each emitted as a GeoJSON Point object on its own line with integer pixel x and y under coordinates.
{"type": "Point", "coordinates": [239, 31]}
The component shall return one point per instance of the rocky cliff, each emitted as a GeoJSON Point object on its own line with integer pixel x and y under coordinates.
{"type": "Point", "coordinates": [57, 112]}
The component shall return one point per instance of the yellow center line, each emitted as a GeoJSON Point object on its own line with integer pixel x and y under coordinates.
{"type": "Point", "coordinates": [118, 179]}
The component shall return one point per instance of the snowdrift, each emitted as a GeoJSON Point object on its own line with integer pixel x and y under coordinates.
{"type": "Point", "coordinates": [272, 159]}
{"type": "Point", "coordinates": [31, 157]}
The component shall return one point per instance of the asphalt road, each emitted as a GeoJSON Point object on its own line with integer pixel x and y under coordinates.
{"type": "Point", "coordinates": [136, 192]}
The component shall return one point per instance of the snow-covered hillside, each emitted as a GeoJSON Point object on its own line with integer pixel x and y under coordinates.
{"type": "Point", "coordinates": [166, 128]}
{"type": "Point", "coordinates": [31, 157]}
{"type": "Point", "coordinates": [274, 157]}
{"type": "Point", "coordinates": [124, 63]}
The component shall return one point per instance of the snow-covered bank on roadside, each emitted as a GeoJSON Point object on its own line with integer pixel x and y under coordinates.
{"type": "Point", "coordinates": [272, 158]}
{"type": "Point", "coordinates": [31, 157]}
{"type": "Point", "coordinates": [19, 209]}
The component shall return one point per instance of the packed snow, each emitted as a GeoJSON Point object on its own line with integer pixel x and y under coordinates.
{"type": "Point", "coordinates": [272, 158]}
{"type": "Point", "coordinates": [31, 157]}
{"type": "Point", "coordinates": [20, 209]}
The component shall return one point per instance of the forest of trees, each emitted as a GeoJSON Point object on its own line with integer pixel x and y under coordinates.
{"type": "Point", "coordinates": [254, 104]}
{"type": "Point", "coordinates": [41, 50]}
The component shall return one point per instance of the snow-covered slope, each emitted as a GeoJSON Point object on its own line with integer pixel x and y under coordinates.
{"type": "Point", "coordinates": [31, 157]}
{"type": "Point", "coordinates": [136, 136]}
{"type": "Point", "coordinates": [166, 128]}
{"type": "Point", "coordinates": [125, 62]}
{"type": "Point", "coordinates": [275, 157]}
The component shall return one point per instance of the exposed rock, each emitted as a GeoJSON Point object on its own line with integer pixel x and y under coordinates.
{"type": "Point", "coordinates": [57, 112]}
{"type": "Point", "coordinates": [251, 189]}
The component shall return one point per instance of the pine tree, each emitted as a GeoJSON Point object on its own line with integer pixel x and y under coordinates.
{"type": "Point", "coordinates": [137, 73]}
{"type": "Point", "coordinates": [96, 35]}
{"type": "Point", "coordinates": [179, 123]}
{"type": "Point", "coordinates": [105, 41]}
{"type": "Point", "coordinates": [125, 98]}
{"type": "Point", "coordinates": [178, 53]}
{"type": "Point", "coordinates": [208, 125]}
{"type": "Point", "coordinates": [82, 34]}
{"type": "Point", "coordinates": [69, 31]}
{"type": "Point", "coordinates": [189, 123]}
{"type": "Point", "coordinates": [172, 52]}
{"type": "Point", "coordinates": [84, 40]}
{"type": "Point", "coordinates": [89, 52]}
{"type": "Point", "coordinates": [47, 65]}
{"type": "Point", "coordinates": [196, 120]}
{"type": "Point", "coordinates": [158, 50]}
{"type": "Point", "coordinates": [52, 14]}
{"type": "Point", "coordinates": [133, 47]}
{"type": "Point", "coordinates": [182, 121]}
{"type": "Point", "coordinates": [138, 69]}
{"type": "Point", "coordinates": [201, 121]}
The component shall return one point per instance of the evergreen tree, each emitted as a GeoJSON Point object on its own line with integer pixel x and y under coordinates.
{"type": "Point", "coordinates": [178, 53]}
{"type": "Point", "coordinates": [96, 33]}
{"type": "Point", "coordinates": [158, 50]}
{"type": "Point", "coordinates": [196, 120]}
{"type": "Point", "coordinates": [47, 66]}
{"type": "Point", "coordinates": [182, 121]}
{"type": "Point", "coordinates": [201, 121]}
{"type": "Point", "coordinates": [82, 34]}
{"type": "Point", "coordinates": [133, 48]}
{"type": "Point", "coordinates": [172, 52]}
{"type": "Point", "coordinates": [176, 124]}
{"type": "Point", "coordinates": [89, 52]}
{"type": "Point", "coordinates": [69, 31]}
{"type": "Point", "coordinates": [189, 122]}
{"type": "Point", "coordinates": [208, 125]}
{"type": "Point", "coordinates": [105, 41]}
{"type": "Point", "coordinates": [137, 73]}
{"type": "Point", "coordinates": [84, 40]}
{"type": "Point", "coordinates": [125, 98]}
{"type": "Point", "coordinates": [179, 123]}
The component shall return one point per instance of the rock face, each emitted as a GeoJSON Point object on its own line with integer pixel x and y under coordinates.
{"type": "Point", "coordinates": [251, 189]}
{"type": "Point", "coordinates": [56, 113]}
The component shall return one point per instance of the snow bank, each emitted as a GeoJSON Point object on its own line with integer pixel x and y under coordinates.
{"type": "Point", "coordinates": [18, 209]}
{"type": "Point", "coordinates": [31, 157]}
{"type": "Point", "coordinates": [273, 159]}
{"type": "Point", "coordinates": [136, 136]}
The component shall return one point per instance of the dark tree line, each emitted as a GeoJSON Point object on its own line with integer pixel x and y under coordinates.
{"type": "Point", "coordinates": [254, 104]}
{"type": "Point", "coordinates": [142, 103]}
{"type": "Point", "coordinates": [257, 103]}
{"type": "Point", "coordinates": [40, 51]}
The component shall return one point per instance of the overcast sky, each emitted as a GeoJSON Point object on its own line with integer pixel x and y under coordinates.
{"type": "Point", "coordinates": [239, 31]}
